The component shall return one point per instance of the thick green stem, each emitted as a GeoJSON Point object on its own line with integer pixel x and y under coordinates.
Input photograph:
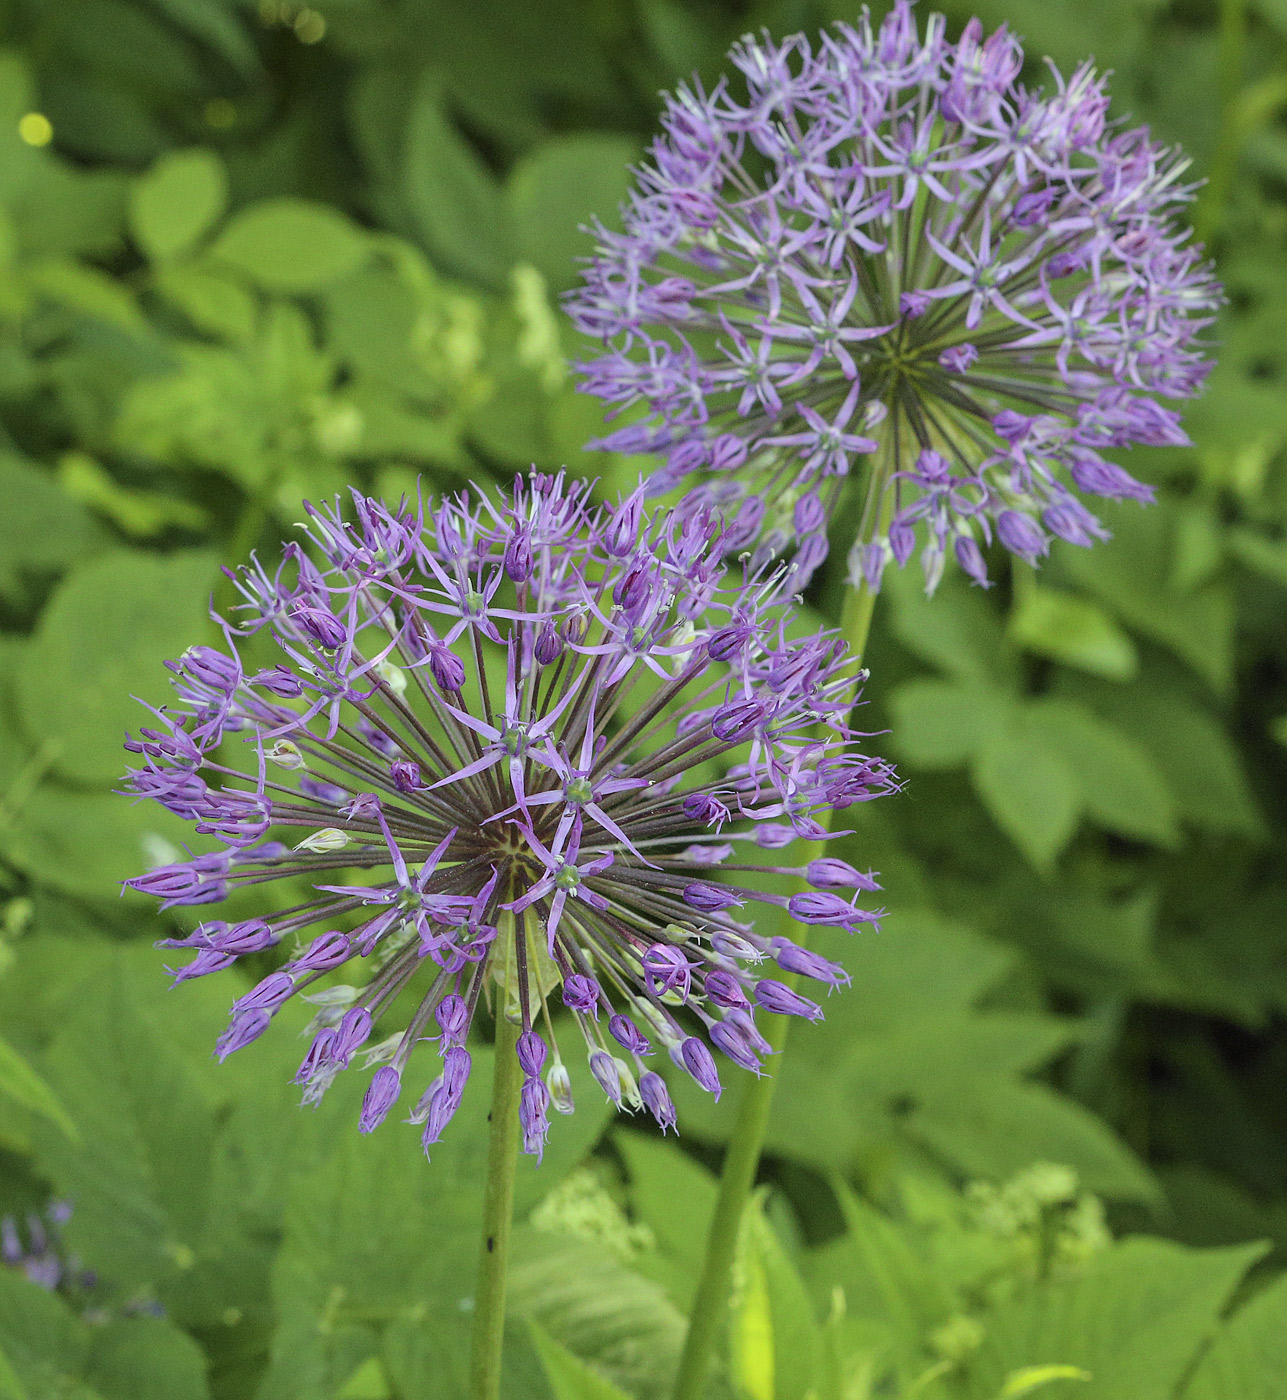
{"type": "Point", "coordinates": [742, 1160]}
{"type": "Point", "coordinates": [498, 1213]}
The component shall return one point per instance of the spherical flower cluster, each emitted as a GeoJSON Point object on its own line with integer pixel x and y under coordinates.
{"type": "Point", "coordinates": [884, 247]}
{"type": "Point", "coordinates": [515, 750]}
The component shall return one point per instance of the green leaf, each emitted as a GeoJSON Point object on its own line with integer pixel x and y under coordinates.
{"type": "Point", "coordinates": [457, 203]}
{"type": "Point", "coordinates": [99, 643]}
{"type": "Point", "coordinates": [1031, 791]}
{"type": "Point", "coordinates": [1029, 1378]}
{"type": "Point", "coordinates": [1120, 784]}
{"type": "Point", "coordinates": [86, 843]}
{"type": "Point", "coordinates": [1074, 631]}
{"type": "Point", "coordinates": [1248, 1359]}
{"type": "Point", "coordinates": [1171, 729]}
{"type": "Point", "coordinates": [558, 188]}
{"type": "Point", "coordinates": [140, 1172]}
{"type": "Point", "coordinates": [213, 298]}
{"type": "Point", "coordinates": [177, 201]}
{"type": "Point", "coordinates": [995, 1127]}
{"type": "Point", "coordinates": [354, 1257]}
{"type": "Point", "coordinates": [1134, 1319]}
{"type": "Point", "coordinates": [774, 1337]}
{"type": "Point", "coordinates": [40, 528]}
{"type": "Point", "coordinates": [751, 1338]}
{"type": "Point", "coordinates": [956, 629]}
{"type": "Point", "coordinates": [1132, 574]}
{"type": "Point", "coordinates": [941, 724]}
{"type": "Point", "coordinates": [569, 1377]}
{"type": "Point", "coordinates": [22, 1084]}
{"type": "Point", "coordinates": [292, 245]}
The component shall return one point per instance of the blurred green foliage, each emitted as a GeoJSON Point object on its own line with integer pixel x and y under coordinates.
{"type": "Point", "coordinates": [253, 252]}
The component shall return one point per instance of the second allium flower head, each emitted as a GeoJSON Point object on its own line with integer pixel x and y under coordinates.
{"type": "Point", "coordinates": [517, 750]}
{"type": "Point", "coordinates": [883, 272]}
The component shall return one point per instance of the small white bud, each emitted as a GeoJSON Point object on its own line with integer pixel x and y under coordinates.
{"type": "Point", "coordinates": [286, 755]}
{"type": "Point", "coordinates": [330, 838]}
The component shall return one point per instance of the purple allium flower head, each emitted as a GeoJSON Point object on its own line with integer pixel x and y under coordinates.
{"type": "Point", "coordinates": [521, 823]}
{"type": "Point", "coordinates": [880, 246]}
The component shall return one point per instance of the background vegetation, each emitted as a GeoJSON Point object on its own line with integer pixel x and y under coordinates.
{"type": "Point", "coordinates": [250, 254]}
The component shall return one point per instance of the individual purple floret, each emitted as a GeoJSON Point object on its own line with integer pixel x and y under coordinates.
{"type": "Point", "coordinates": [881, 248]}
{"type": "Point", "coordinates": [509, 750]}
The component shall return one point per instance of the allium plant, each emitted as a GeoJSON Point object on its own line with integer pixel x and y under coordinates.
{"type": "Point", "coordinates": [879, 273]}
{"type": "Point", "coordinates": [526, 750]}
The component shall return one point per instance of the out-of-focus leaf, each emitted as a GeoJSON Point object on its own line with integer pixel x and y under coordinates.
{"type": "Point", "coordinates": [40, 528]}
{"type": "Point", "coordinates": [139, 513]}
{"type": "Point", "coordinates": [1132, 575]}
{"type": "Point", "coordinates": [775, 1340]}
{"type": "Point", "coordinates": [1075, 631]}
{"type": "Point", "coordinates": [141, 1167]}
{"type": "Point", "coordinates": [996, 1127]}
{"type": "Point", "coordinates": [941, 724]}
{"type": "Point", "coordinates": [1029, 1378]}
{"type": "Point", "coordinates": [560, 187]}
{"type": "Point", "coordinates": [213, 298]}
{"type": "Point", "coordinates": [1248, 1358]}
{"type": "Point", "coordinates": [49, 1352]}
{"type": "Point", "coordinates": [292, 245]}
{"type": "Point", "coordinates": [177, 201]}
{"type": "Point", "coordinates": [21, 1083]}
{"type": "Point", "coordinates": [955, 629]}
{"type": "Point", "coordinates": [101, 642]}
{"type": "Point", "coordinates": [569, 1377]}
{"type": "Point", "coordinates": [1032, 792]}
{"type": "Point", "coordinates": [1134, 1320]}
{"type": "Point", "coordinates": [1120, 785]}
{"type": "Point", "coordinates": [457, 203]}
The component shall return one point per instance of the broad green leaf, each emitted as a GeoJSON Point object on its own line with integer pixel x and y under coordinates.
{"type": "Point", "coordinates": [88, 292]}
{"type": "Point", "coordinates": [941, 724]}
{"type": "Point", "coordinates": [456, 201]}
{"type": "Point", "coordinates": [671, 1193]}
{"type": "Point", "coordinates": [956, 629]}
{"type": "Point", "coordinates": [884, 1274]}
{"type": "Point", "coordinates": [292, 245]}
{"type": "Point", "coordinates": [86, 843]}
{"type": "Point", "coordinates": [138, 513]}
{"type": "Point", "coordinates": [101, 642]}
{"type": "Point", "coordinates": [1075, 631]}
{"type": "Point", "coordinates": [1134, 1320]}
{"type": "Point", "coordinates": [46, 1351]}
{"type": "Point", "coordinates": [995, 1127]}
{"type": "Point", "coordinates": [40, 527]}
{"type": "Point", "coordinates": [213, 298]}
{"type": "Point", "coordinates": [559, 188]}
{"type": "Point", "coordinates": [1248, 1358]}
{"type": "Point", "coordinates": [569, 1377]}
{"type": "Point", "coordinates": [141, 1167]}
{"type": "Point", "coordinates": [1031, 791]}
{"type": "Point", "coordinates": [177, 201]}
{"type": "Point", "coordinates": [1132, 575]}
{"type": "Point", "coordinates": [608, 1310]}
{"type": "Point", "coordinates": [1121, 787]}
{"type": "Point", "coordinates": [21, 1083]}
{"type": "Point", "coordinates": [354, 1258]}
{"type": "Point", "coordinates": [1171, 729]}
